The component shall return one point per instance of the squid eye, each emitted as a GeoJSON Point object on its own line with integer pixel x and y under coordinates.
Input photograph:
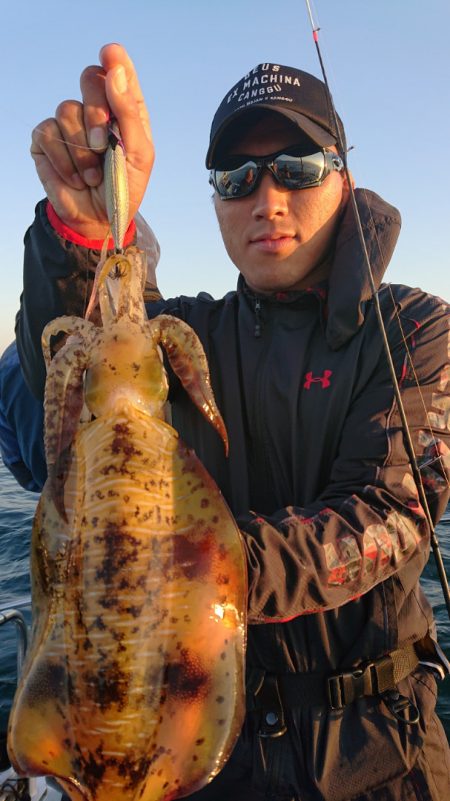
{"type": "Point", "coordinates": [118, 272]}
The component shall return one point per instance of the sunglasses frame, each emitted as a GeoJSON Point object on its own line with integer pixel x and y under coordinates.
{"type": "Point", "coordinates": [331, 162]}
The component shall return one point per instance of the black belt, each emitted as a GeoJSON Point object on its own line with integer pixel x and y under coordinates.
{"type": "Point", "coordinates": [270, 692]}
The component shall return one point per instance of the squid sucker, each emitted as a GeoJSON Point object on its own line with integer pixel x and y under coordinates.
{"type": "Point", "coordinates": [133, 686]}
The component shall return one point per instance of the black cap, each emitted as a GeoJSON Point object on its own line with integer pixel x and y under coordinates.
{"type": "Point", "coordinates": [297, 95]}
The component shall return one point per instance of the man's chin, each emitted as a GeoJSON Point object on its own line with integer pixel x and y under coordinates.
{"type": "Point", "coordinates": [270, 288]}
{"type": "Point", "coordinates": [280, 277]}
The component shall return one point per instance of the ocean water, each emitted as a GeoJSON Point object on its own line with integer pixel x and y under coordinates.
{"type": "Point", "coordinates": [16, 514]}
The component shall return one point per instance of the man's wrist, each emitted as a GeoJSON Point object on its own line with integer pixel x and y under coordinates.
{"type": "Point", "coordinates": [89, 236]}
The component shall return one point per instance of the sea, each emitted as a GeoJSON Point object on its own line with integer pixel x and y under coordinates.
{"type": "Point", "coordinates": [16, 514]}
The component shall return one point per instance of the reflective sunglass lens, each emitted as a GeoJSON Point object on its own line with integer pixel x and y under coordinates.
{"type": "Point", "coordinates": [299, 172]}
{"type": "Point", "coordinates": [237, 182]}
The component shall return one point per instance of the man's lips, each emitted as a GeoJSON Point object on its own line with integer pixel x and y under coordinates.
{"type": "Point", "coordinates": [272, 243]}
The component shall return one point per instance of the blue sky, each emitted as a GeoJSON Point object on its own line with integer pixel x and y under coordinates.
{"type": "Point", "coordinates": [389, 71]}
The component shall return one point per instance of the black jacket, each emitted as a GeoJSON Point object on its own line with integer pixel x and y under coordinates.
{"type": "Point", "coordinates": [318, 478]}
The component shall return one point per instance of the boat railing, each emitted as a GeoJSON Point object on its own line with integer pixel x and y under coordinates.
{"type": "Point", "coordinates": [15, 616]}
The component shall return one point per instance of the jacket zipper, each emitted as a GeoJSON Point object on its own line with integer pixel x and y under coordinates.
{"type": "Point", "coordinates": [260, 426]}
{"type": "Point", "coordinates": [257, 318]}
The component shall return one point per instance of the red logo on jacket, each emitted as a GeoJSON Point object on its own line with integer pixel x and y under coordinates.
{"type": "Point", "coordinates": [324, 379]}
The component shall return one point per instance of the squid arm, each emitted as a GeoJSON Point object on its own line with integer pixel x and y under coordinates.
{"type": "Point", "coordinates": [187, 359]}
{"type": "Point", "coordinates": [62, 325]}
{"type": "Point", "coordinates": [63, 404]}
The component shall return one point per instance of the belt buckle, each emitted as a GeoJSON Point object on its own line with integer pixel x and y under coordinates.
{"type": "Point", "coordinates": [343, 688]}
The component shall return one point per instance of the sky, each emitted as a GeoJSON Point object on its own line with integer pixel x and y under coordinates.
{"type": "Point", "coordinates": [389, 70]}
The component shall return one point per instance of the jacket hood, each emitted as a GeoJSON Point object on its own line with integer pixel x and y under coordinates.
{"type": "Point", "coordinates": [347, 289]}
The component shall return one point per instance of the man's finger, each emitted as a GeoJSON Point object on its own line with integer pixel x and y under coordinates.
{"type": "Point", "coordinates": [112, 55]}
{"type": "Point", "coordinates": [95, 107]}
{"type": "Point", "coordinates": [125, 109]}
{"type": "Point", "coordinates": [48, 145]}
{"type": "Point", "coordinates": [70, 119]}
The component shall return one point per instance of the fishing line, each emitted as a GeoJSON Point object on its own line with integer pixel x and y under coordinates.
{"type": "Point", "coordinates": [406, 430]}
{"type": "Point", "coordinates": [52, 138]}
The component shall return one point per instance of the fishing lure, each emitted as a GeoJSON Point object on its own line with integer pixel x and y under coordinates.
{"type": "Point", "coordinates": [116, 185]}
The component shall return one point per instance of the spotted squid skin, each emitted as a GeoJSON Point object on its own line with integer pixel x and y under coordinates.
{"type": "Point", "coordinates": [133, 686]}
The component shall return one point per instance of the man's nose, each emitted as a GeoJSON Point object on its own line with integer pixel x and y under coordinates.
{"type": "Point", "coordinates": [270, 198]}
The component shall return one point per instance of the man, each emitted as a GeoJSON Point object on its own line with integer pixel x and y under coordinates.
{"type": "Point", "coordinates": [340, 704]}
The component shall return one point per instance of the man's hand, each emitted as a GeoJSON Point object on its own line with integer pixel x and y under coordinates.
{"type": "Point", "coordinates": [73, 176]}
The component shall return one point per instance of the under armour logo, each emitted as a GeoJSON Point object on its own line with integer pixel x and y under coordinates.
{"type": "Point", "coordinates": [324, 380]}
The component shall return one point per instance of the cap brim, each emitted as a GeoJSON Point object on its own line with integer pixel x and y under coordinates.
{"type": "Point", "coordinates": [318, 135]}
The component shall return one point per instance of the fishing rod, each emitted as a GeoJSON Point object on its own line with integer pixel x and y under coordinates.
{"type": "Point", "coordinates": [406, 430]}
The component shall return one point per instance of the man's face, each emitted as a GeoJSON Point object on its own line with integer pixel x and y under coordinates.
{"type": "Point", "coordinates": [280, 239]}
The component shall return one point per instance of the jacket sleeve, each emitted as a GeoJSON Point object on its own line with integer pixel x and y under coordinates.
{"type": "Point", "coordinates": [21, 440]}
{"type": "Point", "coordinates": [368, 522]}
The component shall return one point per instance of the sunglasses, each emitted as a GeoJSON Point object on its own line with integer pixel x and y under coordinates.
{"type": "Point", "coordinates": [239, 175]}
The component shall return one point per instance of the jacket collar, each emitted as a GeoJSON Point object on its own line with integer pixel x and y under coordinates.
{"type": "Point", "coordinates": [348, 284]}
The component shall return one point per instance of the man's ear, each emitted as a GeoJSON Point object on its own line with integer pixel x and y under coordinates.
{"type": "Point", "coordinates": [346, 188]}
{"type": "Point", "coordinates": [345, 180]}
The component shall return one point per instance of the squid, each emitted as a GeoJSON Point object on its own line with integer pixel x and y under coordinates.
{"type": "Point", "coordinates": [133, 686]}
